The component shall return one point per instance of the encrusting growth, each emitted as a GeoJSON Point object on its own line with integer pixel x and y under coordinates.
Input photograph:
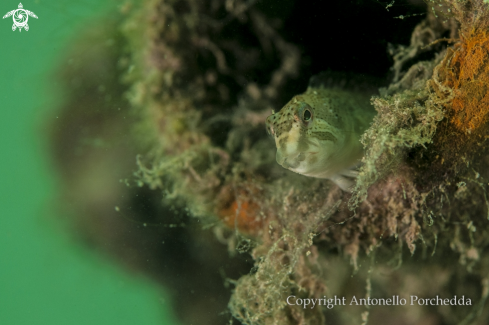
{"type": "Point", "coordinates": [464, 71]}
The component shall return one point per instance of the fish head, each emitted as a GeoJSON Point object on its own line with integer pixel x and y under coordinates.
{"type": "Point", "coordinates": [303, 139]}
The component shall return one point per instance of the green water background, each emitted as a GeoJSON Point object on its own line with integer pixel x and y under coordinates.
{"type": "Point", "coordinates": [45, 278]}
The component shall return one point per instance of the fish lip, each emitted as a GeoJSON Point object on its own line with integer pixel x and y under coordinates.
{"type": "Point", "coordinates": [297, 156]}
{"type": "Point", "coordinates": [294, 164]}
{"type": "Point", "coordinates": [284, 163]}
{"type": "Point", "coordinates": [290, 166]}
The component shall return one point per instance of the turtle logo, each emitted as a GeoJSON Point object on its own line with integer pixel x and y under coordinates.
{"type": "Point", "coordinates": [20, 17]}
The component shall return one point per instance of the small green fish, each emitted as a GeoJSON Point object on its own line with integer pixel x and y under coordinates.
{"type": "Point", "coordinates": [317, 133]}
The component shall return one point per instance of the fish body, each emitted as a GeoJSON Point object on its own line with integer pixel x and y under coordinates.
{"type": "Point", "coordinates": [317, 133]}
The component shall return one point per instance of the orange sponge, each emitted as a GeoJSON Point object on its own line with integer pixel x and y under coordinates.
{"type": "Point", "coordinates": [243, 215]}
{"type": "Point", "coordinates": [466, 72]}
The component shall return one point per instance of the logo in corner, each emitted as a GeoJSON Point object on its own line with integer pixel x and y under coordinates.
{"type": "Point", "coordinates": [20, 17]}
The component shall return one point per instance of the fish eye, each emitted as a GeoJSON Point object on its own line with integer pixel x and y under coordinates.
{"type": "Point", "coordinates": [306, 116]}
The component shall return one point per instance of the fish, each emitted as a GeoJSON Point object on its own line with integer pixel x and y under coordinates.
{"type": "Point", "coordinates": [317, 133]}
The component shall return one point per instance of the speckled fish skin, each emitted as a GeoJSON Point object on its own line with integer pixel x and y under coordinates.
{"type": "Point", "coordinates": [317, 133]}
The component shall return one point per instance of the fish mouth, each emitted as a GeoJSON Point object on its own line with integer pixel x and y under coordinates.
{"type": "Point", "coordinates": [286, 161]}
{"type": "Point", "coordinates": [292, 163]}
